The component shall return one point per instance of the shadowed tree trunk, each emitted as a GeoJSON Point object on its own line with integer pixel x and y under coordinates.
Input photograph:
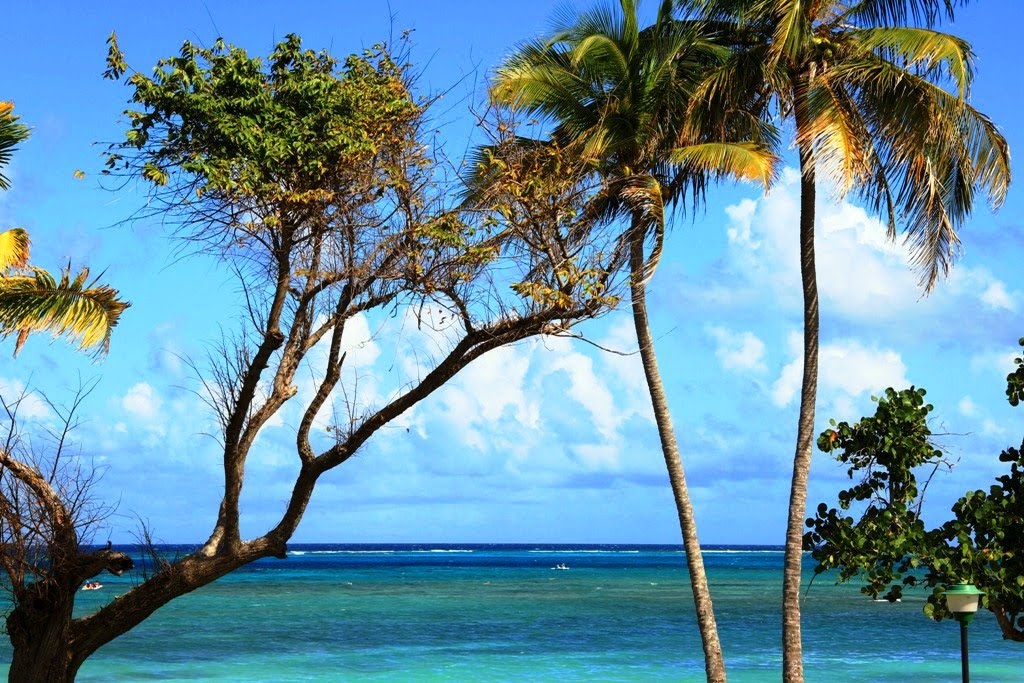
{"type": "Point", "coordinates": [39, 633]}
{"type": "Point", "coordinates": [792, 648]}
{"type": "Point", "coordinates": [714, 665]}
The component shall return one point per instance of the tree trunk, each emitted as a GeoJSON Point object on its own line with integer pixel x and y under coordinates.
{"type": "Point", "coordinates": [53, 666]}
{"type": "Point", "coordinates": [792, 648]}
{"type": "Point", "coordinates": [39, 629]}
{"type": "Point", "coordinates": [714, 665]}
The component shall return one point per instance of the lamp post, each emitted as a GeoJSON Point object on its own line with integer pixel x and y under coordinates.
{"type": "Point", "coordinates": [962, 600]}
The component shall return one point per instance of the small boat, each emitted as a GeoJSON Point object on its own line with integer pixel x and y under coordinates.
{"type": "Point", "coordinates": [92, 586]}
{"type": "Point", "coordinates": [561, 566]}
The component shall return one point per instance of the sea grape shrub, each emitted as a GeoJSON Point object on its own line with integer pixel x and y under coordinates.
{"type": "Point", "coordinates": [986, 541]}
{"type": "Point", "coordinates": [1015, 381]}
{"type": "Point", "coordinates": [882, 453]}
{"type": "Point", "coordinates": [888, 547]}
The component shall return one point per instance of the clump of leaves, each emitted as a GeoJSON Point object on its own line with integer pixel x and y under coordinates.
{"type": "Point", "coordinates": [883, 451]}
{"type": "Point", "coordinates": [888, 547]}
{"type": "Point", "coordinates": [1015, 381]}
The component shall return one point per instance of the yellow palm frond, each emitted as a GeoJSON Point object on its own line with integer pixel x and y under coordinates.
{"type": "Point", "coordinates": [602, 48]}
{"type": "Point", "coordinates": [792, 30]}
{"type": "Point", "coordinates": [643, 197]}
{"type": "Point", "coordinates": [836, 133]}
{"type": "Point", "coordinates": [76, 308]}
{"type": "Point", "coordinates": [11, 133]}
{"type": "Point", "coordinates": [920, 47]}
{"type": "Point", "coordinates": [14, 248]}
{"type": "Point", "coordinates": [742, 160]}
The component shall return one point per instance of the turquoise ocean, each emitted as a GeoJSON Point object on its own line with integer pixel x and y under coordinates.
{"type": "Point", "coordinates": [439, 612]}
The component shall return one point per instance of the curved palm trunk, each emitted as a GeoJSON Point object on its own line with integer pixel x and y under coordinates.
{"type": "Point", "coordinates": [713, 662]}
{"type": "Point", "coordinates": [792, 648]}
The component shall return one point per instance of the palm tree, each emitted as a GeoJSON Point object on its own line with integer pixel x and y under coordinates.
{"type": "Point", "coordinates": [31, 299]}
{"type": "Point", "coordinates": [618, 97]}
{"type": "Point", "coordinates": [878, 99]}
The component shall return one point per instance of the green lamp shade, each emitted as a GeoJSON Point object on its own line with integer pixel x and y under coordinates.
{"type": "Point", "coordinates": [963, 598]}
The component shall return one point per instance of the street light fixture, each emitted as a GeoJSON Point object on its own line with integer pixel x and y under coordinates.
{"type": "Point", "coordinates": [962, 600]}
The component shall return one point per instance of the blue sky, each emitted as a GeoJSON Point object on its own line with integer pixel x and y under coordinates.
{"type": "Point", "coordinates": [551, 441]}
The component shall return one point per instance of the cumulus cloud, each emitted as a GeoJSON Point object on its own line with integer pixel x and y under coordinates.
{"type": "Point", "coordinates": [29, 404]}
{"type": "Point", "coordinates": [996, 296]}
{"type": "Point", "coordinates": [993, 363]}
{"type": "Point", "coordinates": [862, 274]}
{"type": "Point", "coordinates": [142, 401]}
{"type": "Point", "coordinates": [847, 370]}
{"type": "Point", "coordinates": [739, 351]}
{"type": "Point", "coordinates": [967, 407]}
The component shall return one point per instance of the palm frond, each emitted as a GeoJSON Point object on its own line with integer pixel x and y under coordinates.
{"type": "Point", "coordinates": [899, 12]}
{"type": "Point", "coordinates": [933, 52]}
{"type": "Point", "coordinates": [599, 47]}
{"type": "Point", "coordinates": [792, 30]}
{"type": "Point", "coordinates": [74, 307]}
{"type": "Point", "coordinates": [11, 134]}
{"type": "Point", "coordinates": [643, 197]}
{"type": "Point", "coordinates": [14, 249]}
{"type": "Point", "coordinates": [939, 149]}
{"type": "Point", "coordinates": [837, 135]}
{"type": "Point", "coordinates": [742, 160]}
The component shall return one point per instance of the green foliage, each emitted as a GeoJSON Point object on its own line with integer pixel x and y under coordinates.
{"type": "Point", "coordinates": [1015, 381]}
{"type": "Point", "coordinates": [883, 545]}
{"type": "Point", "coordinates": [539, 191]}
{"type": "Point", "coordinates": [12, 132]}
{"type": "Point", "coordinates": [988, 527]}
{"type": "Point", "coordinates": [289, 130]}
{"type": "Point", "coordinates": [265, 154]}
{"type": "Point", "coordinates": [888, 547]}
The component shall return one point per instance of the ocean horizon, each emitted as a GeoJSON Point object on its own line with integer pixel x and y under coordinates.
{"type": "Point", "coordinates": [506, 612]}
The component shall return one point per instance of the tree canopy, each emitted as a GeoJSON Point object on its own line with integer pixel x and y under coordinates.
{"type": "Point", "coordinates": [889, 547]}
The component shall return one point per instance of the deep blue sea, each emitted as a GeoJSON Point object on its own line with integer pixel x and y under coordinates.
{"type": "Point", "coordinates": [502, 613]}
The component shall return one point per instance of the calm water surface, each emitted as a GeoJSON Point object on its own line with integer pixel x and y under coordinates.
{"type": "Point", "coordinates": [502, 613]}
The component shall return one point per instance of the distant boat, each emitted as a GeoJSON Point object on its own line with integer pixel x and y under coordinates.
{"type": "Point", "coordinates": [94, 586]}
{"type": "Point", "coordinates": [561, 566]}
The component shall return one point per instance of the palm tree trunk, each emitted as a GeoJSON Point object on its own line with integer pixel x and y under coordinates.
{"type": "Point", "coordinates": [792, 648]}
{"type": "Point", "coordinates": [714, 665]}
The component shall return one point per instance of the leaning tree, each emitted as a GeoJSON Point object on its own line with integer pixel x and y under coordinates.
{"type": "Point", "coordinates": [311, 178]}
{"type": "Point", "coordinates": [621, 98]}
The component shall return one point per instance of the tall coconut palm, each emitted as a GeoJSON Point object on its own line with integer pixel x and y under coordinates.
{"type": "Point", "coordinates": [619, 97]}
{"type": "Point", "coordinates": [33, 300]}
{"type": "Point", "coordinates": [878, 100]}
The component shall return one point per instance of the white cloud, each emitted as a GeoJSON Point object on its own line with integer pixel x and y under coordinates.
{"type": "Point", "coordinates": [358, 342]}
{"type": "Point", "coordinates": [142, 401]}
{"type": "Point", "coordinates": [738, 350]}
{"type": "Point", "coordinates": [30, 405]}
{"type": "Point", "coordinates": [491, 389]}
{"type": "Point", "coordinates": [846, 370]}
{"type": "Point", "coordinates": [997, 297]}
{"type": "Point", "coordinates": [990, 427]}
{"type": "Point", "coordinates": [967, 407]}
{"type": "Point", "coordinates": [993, 363]}
{"type": "Point", "coordinates": [586, 389]}
{"type": "Point", "coordinates": [598, 456]}
{"type": "Point", "coordinates": [741, 216]}
{"type": "Point", "coordinates": [862, 274]}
